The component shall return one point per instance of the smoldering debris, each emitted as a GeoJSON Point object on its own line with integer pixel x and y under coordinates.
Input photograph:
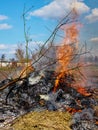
{"type": "Point", "coordinates": [29, 95]}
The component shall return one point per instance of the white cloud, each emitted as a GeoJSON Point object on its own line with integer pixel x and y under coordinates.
{"type": "Point", "coordinates": [94, 40]}
{"type": "Point", "coordinates": [8, 50]}
{"type": "Point", "coordinates": [12, 52]}
{"type": "Point", "coordinates": [93, 17]}
{"type": "Point", "coordinates": [81, 7]}
{"type": "Point", "coordinates": [5, 26]}
{"type": "Point", "coordinates": [8, 47]}
{"type": "Point", "coordinates": [59, 8]}
{"type": "Point", "coordinates": [2, 46]}
{"type": "Point", "coordinates": [3, 17]}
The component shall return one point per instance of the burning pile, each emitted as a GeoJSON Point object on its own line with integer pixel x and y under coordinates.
{"type": "Point", "coordinates": [40, 96]}
{"type": "Point", "coordinates": [53, 90]}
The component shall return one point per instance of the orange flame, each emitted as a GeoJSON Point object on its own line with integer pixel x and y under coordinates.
{"type": "Point", "coordinates": [65, 53]}
{"type": "Point", "coordinates": [66, 50]}
{"type": "Point", "coordinates": [72, 110]}
{"type": "Point", "coordinates": [83, 91]}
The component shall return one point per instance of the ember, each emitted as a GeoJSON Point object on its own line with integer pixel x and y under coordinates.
{"type": "Point", "coordinates": [83, 91]}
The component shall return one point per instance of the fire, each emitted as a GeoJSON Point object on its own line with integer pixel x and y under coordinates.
{"type": "Point", "coordinates": [64, 57]}
{"type": "Point", "coordinates": [65, 52]}
{"type": "Point", "coordinates": [72, 110]}
{"type": "Point", "coordinates": [83, 91]}
{"type": "Point", "coordinates": [72, 34]}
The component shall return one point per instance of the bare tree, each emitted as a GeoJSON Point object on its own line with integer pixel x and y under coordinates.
{"type": "Point", "coordinates": [19, 53]}
{"type": "Point", "coordinates": [2, 57]}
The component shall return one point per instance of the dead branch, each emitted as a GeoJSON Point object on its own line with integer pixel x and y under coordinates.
{"type": "Point", "coordinates": [29, 68]}
{"type": "Point", "coordinates": [23, 75]}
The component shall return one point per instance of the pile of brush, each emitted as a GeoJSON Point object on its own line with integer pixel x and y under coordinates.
{"type": "Point", "coordinates": [35, 92]}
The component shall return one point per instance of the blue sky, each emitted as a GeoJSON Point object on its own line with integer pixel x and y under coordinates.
{"type": "Point", "coordinates": [43, 15]}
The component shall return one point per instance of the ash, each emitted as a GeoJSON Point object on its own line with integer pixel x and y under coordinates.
{"type": "Point", "coordinates": [35, 93]}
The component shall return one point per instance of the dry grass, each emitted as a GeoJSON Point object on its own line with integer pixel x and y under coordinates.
{"type": "Point", "coordinates": [44, 120]}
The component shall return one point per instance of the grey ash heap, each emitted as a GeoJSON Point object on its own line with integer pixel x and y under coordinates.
{"type": "Point", "coordinates": [36, 93]}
